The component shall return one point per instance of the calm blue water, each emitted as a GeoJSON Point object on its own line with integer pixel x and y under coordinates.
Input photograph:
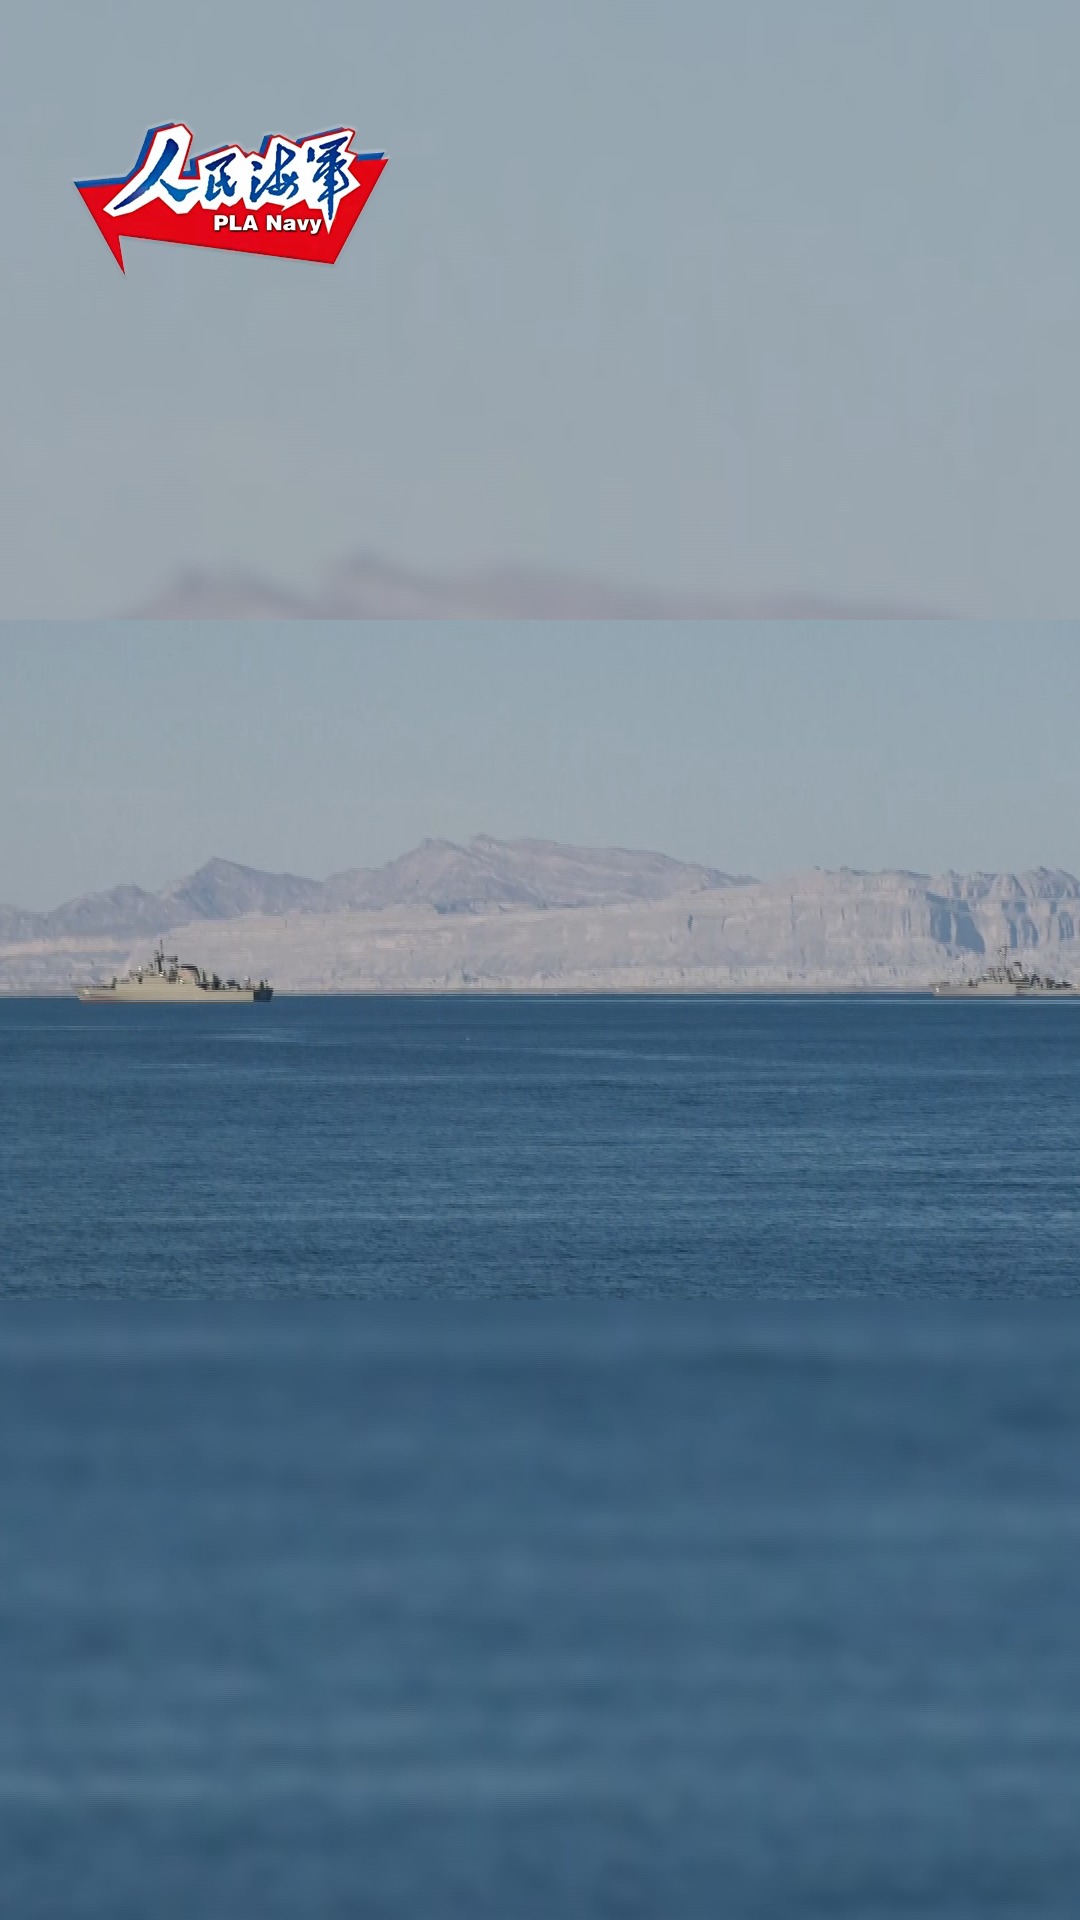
{"type": "Point", "coordinates": [429, 1148]}
{"type": "Point", "coordinates": [540, 1609]}
{"type": "Point", "coordinates": [638, 1605]}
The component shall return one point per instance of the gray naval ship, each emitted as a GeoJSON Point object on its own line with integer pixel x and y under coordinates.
{"type": "Point", "coordinates": [1009, 980]}
{"type": "Point", "coordinates": [165, 978]}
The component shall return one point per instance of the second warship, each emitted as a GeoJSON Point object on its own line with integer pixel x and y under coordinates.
{"type": "Point", "coordinates": [1009, 980]}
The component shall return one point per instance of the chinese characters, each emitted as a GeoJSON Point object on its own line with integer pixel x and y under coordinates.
{"type": "Point", "coordinates": [313, 172]}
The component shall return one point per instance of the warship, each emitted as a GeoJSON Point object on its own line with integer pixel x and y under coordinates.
{"type": "Point", "coordinates": [1009, 980]}
{"type": "Point", "coordinates": [164, 978]}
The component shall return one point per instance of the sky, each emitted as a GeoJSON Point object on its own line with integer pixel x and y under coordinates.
{"type": "Point", "coordinates": [134, 754]}
{"type": "Point", "coordinates": [705, 296]}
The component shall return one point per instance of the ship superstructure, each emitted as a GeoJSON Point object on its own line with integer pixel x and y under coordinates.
{"type": "Point", "coordinates": [165, 978]}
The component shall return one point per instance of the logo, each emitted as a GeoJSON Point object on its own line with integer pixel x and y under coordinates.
{"type": "Point", "coordinates": [296, 199]}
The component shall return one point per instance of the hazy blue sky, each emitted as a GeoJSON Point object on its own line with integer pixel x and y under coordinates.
{"type": "Point", "coordinates": [705, 293]}
{"type": "Point", "coordinates": [134, 755]}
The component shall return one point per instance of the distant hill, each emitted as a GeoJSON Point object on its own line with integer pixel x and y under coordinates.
{"type": "Point", "coordinates": [369, 588]}
{"type": "Point", "coordinates": [516, 873]}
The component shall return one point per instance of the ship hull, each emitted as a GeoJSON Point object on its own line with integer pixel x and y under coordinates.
{"type": "Point", "coordinates": [150, 993]}
{"type": "Point", "coordinates": [977, 993]}
{"type": "Point", "coordinates": [1006, 993]}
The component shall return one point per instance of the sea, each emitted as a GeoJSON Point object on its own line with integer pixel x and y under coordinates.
{"type": "Point", "coordinates": [541, 1148]}
{"type": "Point", "coordinates": [496, 1458]}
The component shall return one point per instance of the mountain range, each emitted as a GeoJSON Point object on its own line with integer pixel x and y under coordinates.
{"type": "Point", "coordinates": [486, 874]}
{"type": "Point", "coordinates": [537, 915]}
{"type": "Point", "coordinates": [367, 587]}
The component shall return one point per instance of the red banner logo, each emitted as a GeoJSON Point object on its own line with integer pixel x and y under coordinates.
{"type": "Point", "coordinates": [297, 199]}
